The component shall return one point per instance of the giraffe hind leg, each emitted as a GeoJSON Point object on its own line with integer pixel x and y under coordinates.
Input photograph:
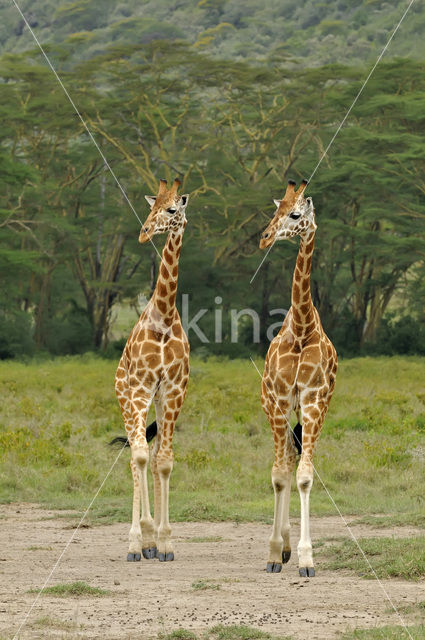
{"type": "Point", "coordinates": [150, 552]}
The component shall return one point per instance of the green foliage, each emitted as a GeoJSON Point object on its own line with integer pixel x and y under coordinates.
{"type": "Point", "coordinates": [400, 335]}
{"type": "Point", "coordinates": [241, 632]}
{"type": "Point", "coordinates": [223, 632]}
{"type": "Point", "coordinates": [312, 32]}
{"type": "Point", "coordinates": [16, 339]}
{"type": "Point", "coordinates": [69, 334]}
{"type": "Point", "coordinates": [234, 131]}
{"type": "Point", "coordinates": [48, 622]}
{"type": "Point", "coordinates": [389, 557]}
{"type": "Point", "coordinates": [394, 520]}
{"type": "Point", "coordinates": [386, 633]}
{"type": "Point", "coordinates": [178, 634]}
{"type": "Point", "coordinates": [203, 585]}
{"type": "Point", "coordinates": [73, 589]}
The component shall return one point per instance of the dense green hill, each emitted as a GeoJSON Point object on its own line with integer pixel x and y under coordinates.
{"type": "Point", "coordinates": [314, 32]}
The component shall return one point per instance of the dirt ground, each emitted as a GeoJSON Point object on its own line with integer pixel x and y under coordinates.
{"type": "Point", "coordinates": [149, 597]}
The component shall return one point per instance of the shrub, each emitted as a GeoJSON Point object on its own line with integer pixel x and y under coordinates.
{"type": "Point", "coordinates": [16, 335]}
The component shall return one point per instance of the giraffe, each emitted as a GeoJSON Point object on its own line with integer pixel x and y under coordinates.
{"type": "Point", "coordinates": [299, 375]}
{"type": "Point", "coordinates": [154, 367]}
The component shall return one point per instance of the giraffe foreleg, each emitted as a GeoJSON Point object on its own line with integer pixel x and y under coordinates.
{"type": "Point", "coordinates": [140, 457]}
{"type": "Point", "coordinates": [135, 534]}
{"type": "Point", "coordinates": [141, 400]}
{"type": "Point", "coordinates": [165, 467]}
{"type": "Point", "coordinates": [313, 416]}
{"type": "Point", "coordinates": [279, 543]}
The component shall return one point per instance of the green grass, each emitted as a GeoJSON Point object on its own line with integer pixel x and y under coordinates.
{"type": "Point", "coordinates": [386, 633]}
{"type": "Point", "coordinates": [203, 585]}
{"type": "Point", "coordinates": [389, 557]}
{"type": "Point", "coordinates": [47, 622]}
{"type": "Point", "coordinates": [56, 417]}
{"type": "Point", "coordinates": [393, 520]}
{"type": "Point", "coordinates": [203, 539]}
{"type": "Point", "coordinates": [418, 608]}
{"type": "Point", "coordinates": [74, 589]}
{"type": "Point", "coordinates": [222, 632]}
{"type": "Point", "coordinates": [39, 548]}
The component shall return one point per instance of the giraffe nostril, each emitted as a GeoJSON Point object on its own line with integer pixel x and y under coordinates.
{"type": "Point", "coordinates": [265, 235]}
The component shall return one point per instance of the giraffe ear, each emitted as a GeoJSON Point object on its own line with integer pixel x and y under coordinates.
{"type": "Point", "coordinates": [277, 202]}
{"type": "Point", "coordinates": [184, 200]}
{"type": "Point", "coordinates": [151, 200]}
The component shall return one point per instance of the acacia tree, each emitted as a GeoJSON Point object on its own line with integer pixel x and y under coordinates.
{"type": "Point", "coordinates": [371, 197]}
{"type": "Point", "coordinates": [67, 214]}
{"type": "Point", "coordinates": [233, 133]}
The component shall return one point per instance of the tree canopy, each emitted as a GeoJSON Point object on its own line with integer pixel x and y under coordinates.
{"type": "Point", "coordinates": [234, 132]}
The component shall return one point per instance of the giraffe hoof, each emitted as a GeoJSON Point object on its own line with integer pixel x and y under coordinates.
{"type": "Point", "coordinates": [285, 556]}
{"type": "Point", "coordinates": [166, 557]}
{"type": "Point", "coordinates": [133, 557]}
{"type": "Point", "coordinates": [149, 553]}
{"type": "Point", "coordinates": [274, 567]}
{"type": "Point", "coordinates": [307, 572]}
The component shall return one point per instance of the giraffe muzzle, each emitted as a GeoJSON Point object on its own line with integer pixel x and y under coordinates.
{"type": "Point", "coordinates": [145, 234]}
{"type": "Point", "coordinates": [266, 240]}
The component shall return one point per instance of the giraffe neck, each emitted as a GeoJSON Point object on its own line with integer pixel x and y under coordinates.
{"type": "Point", "coordinates": [164, 296]}
{"type": "Point", "coordinates": [302, 304]}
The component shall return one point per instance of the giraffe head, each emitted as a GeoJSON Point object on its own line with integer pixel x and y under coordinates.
{"type": "Point", "coordinates": [294, 216]}
{"type": "Point", "coordinates": [167, 211]}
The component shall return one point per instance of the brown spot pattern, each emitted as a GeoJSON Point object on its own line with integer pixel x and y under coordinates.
{"type": "Point", "coordinates": [154, 365]}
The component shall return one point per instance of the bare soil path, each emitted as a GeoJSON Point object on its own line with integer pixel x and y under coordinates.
{"type": "Point", "coordinates": [218, 577]}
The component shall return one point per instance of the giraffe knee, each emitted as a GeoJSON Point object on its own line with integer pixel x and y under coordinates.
{"type": "Point", "coordinates": [140, 456]}
{"type": "Point", "coordinates": [304, 483]}
{"type": "Point", "coordinates": [164, 465]}
{"type": "Point", "coordinates": [280, 479]}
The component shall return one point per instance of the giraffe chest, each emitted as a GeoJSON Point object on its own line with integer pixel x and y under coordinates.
{"type": "Point", "coordinates": [292, 367]}
{"type": "Point", "coordinates": [154, 350]}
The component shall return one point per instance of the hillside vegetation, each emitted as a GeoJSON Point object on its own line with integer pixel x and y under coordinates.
{"type": "Point", "coordinates": [311, 32]}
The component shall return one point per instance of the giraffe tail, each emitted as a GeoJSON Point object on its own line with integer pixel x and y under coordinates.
{"type": "Point", "coordinates": [297, 435]}
{"type": "Point", "coordinates": [151, 431]}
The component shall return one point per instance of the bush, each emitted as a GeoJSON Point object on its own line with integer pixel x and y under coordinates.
{"type": "Point", "coordinates": [16, 335]}
{"type": "Point", "coordinates": [70, 334]}
{"type": "Point", "coordinates": [403, 336]}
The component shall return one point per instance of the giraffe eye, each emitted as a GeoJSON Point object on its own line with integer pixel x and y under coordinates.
{"type": "Point", "coordinates": [295, 216]}
{"type": "Point", "coordinates": [171, 210]}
